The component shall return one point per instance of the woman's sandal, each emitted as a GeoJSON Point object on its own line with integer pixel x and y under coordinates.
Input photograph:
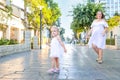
{"type": "Point", "coordinates": [100, 61]}
{"type": "Point", "coordinates": [97, 59]}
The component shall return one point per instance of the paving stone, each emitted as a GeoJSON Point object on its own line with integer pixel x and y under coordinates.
{"type": "Point", "coordinates": [78, 64]}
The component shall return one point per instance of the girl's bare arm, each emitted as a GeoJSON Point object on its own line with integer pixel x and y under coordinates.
{"type": "Point", "coordinates": [62, 44]}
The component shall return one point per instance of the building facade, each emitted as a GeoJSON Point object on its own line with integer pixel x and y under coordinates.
{"type": "Point", "coordinates": [11, 27]}
{"type": "Point", "coordinates": [111, 6]}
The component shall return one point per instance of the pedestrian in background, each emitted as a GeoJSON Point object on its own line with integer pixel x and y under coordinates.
{"type": "Point", "coordinates": [83, 37]}
{"type": "Point", "coordinates": [98, 32]}
{"type": "Point", "coordinates": [57, 48]}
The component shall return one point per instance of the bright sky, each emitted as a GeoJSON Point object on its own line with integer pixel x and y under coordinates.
{"type": "Point", "coordinates": [65, 6]}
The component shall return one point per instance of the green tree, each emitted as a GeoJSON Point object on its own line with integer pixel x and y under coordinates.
{"type": "Point", "coordinates": [55, 10]}
{"type": "Point", "coordinates": [83, 15]}
{"type": "Point", "coordinates": [33, 16]}
{"type": "Point", "coordinates": [50, 13]}
{"type": "Point", "coordinates": [114, 21]}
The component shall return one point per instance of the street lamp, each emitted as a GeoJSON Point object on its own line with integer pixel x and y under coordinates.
{"type": "Point", "coordinates": [40, 7]}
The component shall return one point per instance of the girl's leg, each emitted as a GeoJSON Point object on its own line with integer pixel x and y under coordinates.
{"type": "Point", "coordinates": [57, 65]}
{"type": "Point", "coordinates": [52, 66]}
{"type": "Point", "coordinates": [53, 63]}
{"type": "Point", "coordinates": [57, 62]}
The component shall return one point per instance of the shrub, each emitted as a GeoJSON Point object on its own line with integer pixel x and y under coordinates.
{"type": "Point", "coordinates": [7, 42]}
{"type": "Point", "coordinates": [12, 41]}
{"type": "Point", "coordinates": [110, 41]}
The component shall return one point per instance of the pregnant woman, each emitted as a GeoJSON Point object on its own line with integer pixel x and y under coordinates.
{"type": "Point", "coordinates": [98, 35]}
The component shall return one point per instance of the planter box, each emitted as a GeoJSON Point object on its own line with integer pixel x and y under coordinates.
{"type": "Point", "coordinates": [10, 49]}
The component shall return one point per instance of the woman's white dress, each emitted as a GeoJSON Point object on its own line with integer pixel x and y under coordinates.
{"type": "Point", "coordinates": [56, 49]}
{"type": "Point", "coordinates": [97, 37]}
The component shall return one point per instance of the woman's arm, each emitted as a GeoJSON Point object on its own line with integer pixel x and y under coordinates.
{"type": "Point", "coordinates": [105, 31]}
{"type": "Point", "coordinates": [89, 33]}
{"type": "Point", "coordinates": [105, 28]}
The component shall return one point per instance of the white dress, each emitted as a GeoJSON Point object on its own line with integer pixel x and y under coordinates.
{"type": "Point", "coordinates": [56, 49]}
{"type": "Point", "coordinates": [96, 37]}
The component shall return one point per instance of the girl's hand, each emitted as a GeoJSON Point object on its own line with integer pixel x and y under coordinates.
{"type": "Point", "coordinates": [48, 44]}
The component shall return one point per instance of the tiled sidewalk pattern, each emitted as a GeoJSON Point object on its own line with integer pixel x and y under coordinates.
{"type": "Point", "coordinates": [78, 64]}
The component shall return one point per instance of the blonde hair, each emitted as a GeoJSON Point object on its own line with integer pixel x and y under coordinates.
{"type": "Point", "coordinates": [54, 27]}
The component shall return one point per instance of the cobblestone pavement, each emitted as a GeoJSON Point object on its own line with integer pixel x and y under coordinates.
{"type": "Point", "coordinates": [78, 64]}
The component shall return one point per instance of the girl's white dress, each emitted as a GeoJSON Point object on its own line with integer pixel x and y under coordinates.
{"type": "Point", "coordinates": [56, 49]}
{"type": "Point", "coordinates": [96, 37]}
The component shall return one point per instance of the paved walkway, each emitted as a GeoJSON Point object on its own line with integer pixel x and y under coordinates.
{"type": "Point", "coordinates": [78, 64]}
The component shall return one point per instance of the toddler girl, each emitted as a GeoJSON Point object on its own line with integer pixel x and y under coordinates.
{"type": "Point", "coordinates": [57, 48]}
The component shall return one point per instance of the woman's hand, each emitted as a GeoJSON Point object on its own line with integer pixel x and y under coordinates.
{"type": "Point", "coordinates": [65, 50]}
{"type": "Point", "coordinates": [48, 44]}
{"type": "Point", "coordinates": [87, 36]}
{"type": "Point", "coordinates": [89, 33]}
{"type": "Point", "coordinates": [105, 31]}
